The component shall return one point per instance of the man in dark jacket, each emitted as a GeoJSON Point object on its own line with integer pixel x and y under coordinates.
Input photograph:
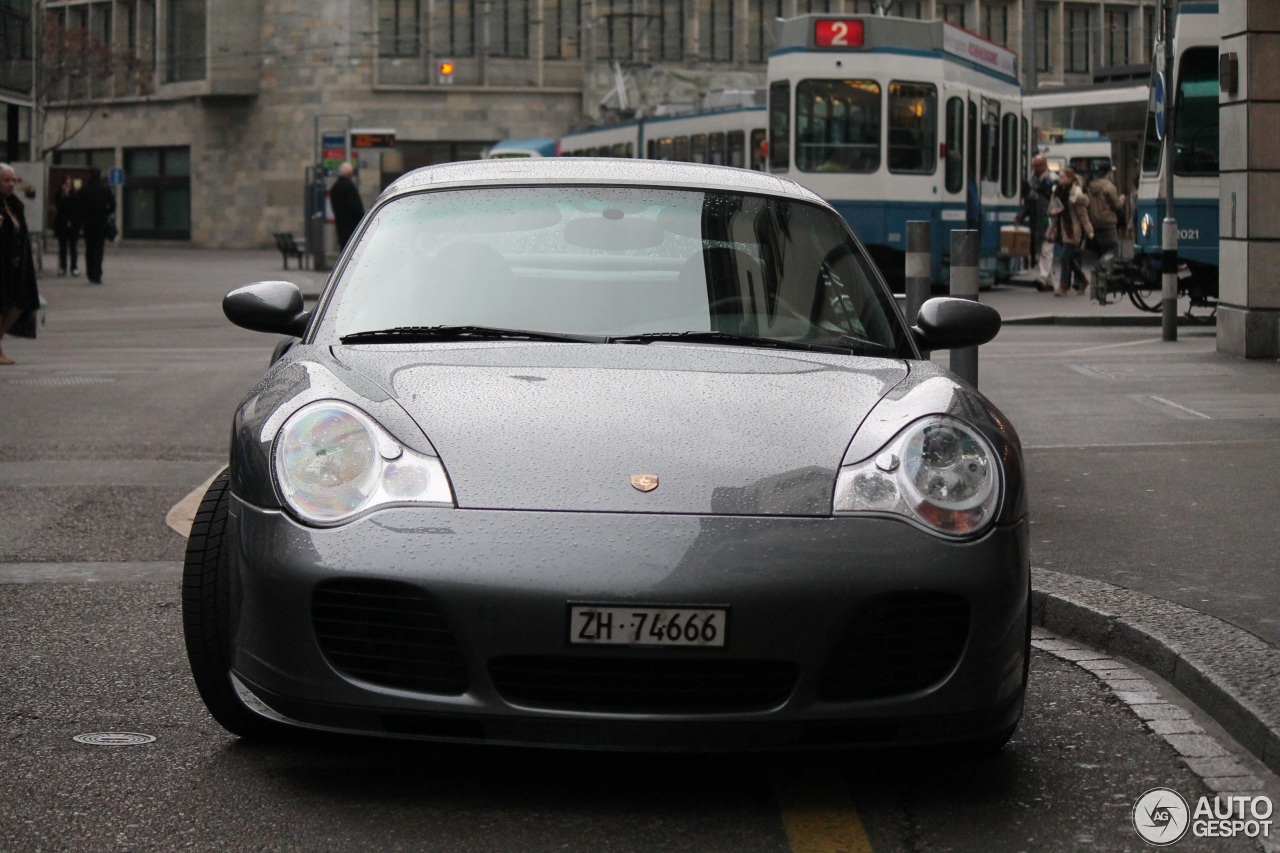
{"type": "Point", "coordinates": [97, 204]}
{"type": "Point", "coordinates": [348, 209]}
{"type": "Point", "coordinates": [1035, 209]}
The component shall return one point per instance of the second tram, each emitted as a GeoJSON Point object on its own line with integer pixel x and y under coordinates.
{"type": "Point", "coordinates": [893, 120]}
{"type": "Point", "coordinates": [1194, 126]}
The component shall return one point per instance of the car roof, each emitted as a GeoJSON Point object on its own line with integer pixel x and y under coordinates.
{"type": "Point", "coordinates": [595, 171]}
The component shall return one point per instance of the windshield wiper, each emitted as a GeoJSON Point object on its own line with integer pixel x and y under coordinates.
{"type": "Point", "coordinates": [417, 334]}
{"type": "Point", "coordinates": [846, 344]}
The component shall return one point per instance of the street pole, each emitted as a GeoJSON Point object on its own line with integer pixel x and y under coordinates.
{"type": "Point", "coordinates": [964, 285]}
{"type": "Point", "coordinates": [919, 264]}
{"type": "Point", "coordinates": [1169, 230]}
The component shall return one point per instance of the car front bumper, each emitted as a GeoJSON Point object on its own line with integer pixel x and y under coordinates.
{"type": "Point", "coordinates": [796, 590]}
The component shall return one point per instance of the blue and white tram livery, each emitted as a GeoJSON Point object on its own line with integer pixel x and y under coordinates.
{"type": "Point", "coordinates": [1195, 160]}
{"type": "Point", "coordinates": [726, 137]}
{"type": "Point", "coordinates": [893, 120]}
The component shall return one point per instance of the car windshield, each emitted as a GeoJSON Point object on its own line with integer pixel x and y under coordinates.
{"type": "Point", "coordinates": [613, 262]}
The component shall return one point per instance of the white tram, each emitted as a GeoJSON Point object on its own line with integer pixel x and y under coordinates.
{"type": "Point", "coordinates": [893, 120]}
{"type": "Point", "coordinates": [727, 136]}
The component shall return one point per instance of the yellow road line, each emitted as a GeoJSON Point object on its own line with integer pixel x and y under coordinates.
{"type": "Point", "coordinates": [817, 811]}
{"type": "Point", "coordinates": [182, 513]}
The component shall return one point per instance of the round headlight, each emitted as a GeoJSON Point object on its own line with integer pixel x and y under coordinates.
{"type": "Point", "coordinates": [938, 471]}
{"type": "Point", "coordinates": [1146, 225]}
{"type": "Point", "coordinates": [327, 461]}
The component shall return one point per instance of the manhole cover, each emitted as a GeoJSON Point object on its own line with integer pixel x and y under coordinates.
{"type": "Point", "coordinates": [63, 380]}
{"type": "Point", "coordinates": [114, 738]}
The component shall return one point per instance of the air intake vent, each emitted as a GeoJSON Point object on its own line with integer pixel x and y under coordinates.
{"type": "Point", "coordinates": [895, 645]}
{"type": "Point", "coordinates": [643, 685]}
{"type": "Point", "coordinates": [388, 633]}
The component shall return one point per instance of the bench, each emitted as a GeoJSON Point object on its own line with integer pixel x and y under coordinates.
{"type": "Point", "coordinates": [290, 248]}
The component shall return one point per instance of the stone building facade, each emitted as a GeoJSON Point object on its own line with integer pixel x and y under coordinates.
{"type": "Point", "coordinates": [216, 109]}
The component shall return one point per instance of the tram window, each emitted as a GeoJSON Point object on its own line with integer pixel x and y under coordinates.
{"type": "Point", "coordinates": [757, 149]}
{"type": "Point", "coordinates": [651, 149]}
{"type": "Point", "coordinates": [954, 177]}
{"type": "Point", "coordinates": [620, 149]}
{"type": "Point", "coordinates": [698, 148]}
{"type": "Point", "coordinates": [680, 149]}
{"type": "Point", "coordinates": [990, 140]}
{"type": "Point", "coordinates": [913, 128]}
{"type": "Point", "coordinates": [715, 149]}
{"type": "Point", "coordinates": [1009, 156]}
{"type": "Point", "coordinates": [630, 150]}
{"type": "Point", "coordinates": [737, 148]}
{"type": "Point", "coordinates": [1195, 111]}
{"type": "Point", "coordinates": [838, 126]}
{"type": "Point", "coordinates": [664, 148]}
{"type": "Point", "coordinates": [779, 126]}
{"type": "Point", "coordinates": [1024, 140]}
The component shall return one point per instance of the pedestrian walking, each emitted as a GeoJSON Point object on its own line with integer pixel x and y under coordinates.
{"type": "Point", "coordinates": [348, 209]}
{"type": "Point", "coordinates": [97, 205]}
{"type": "Point", "coordinates": [66, 225]}
{"type": "Point", "coordinates": [1035, 211]}
{"type": "Point", "coordinates": [1069, 210]}
{"type": "Point", "coordinates": [19, 297]}
{"type": "Point", "coordinates": [1106, 206]}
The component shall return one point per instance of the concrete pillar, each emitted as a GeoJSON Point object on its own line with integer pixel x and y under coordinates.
{"type": "Point", "coordinates": [1249, 219]}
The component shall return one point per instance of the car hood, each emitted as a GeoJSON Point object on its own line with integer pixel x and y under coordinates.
{"type": "Point", "coordinates": [565, 427]}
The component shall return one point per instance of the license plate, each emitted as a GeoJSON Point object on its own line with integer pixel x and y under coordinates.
{"type": "Point", "coordinates": [647, 626]}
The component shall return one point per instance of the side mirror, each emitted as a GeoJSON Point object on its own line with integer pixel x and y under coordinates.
{"type": "Point", "coordinates": [267, 306]}
{"type": "Point", "coordinates": [948, 323]}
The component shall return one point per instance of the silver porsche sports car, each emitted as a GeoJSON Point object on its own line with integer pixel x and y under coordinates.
{"type": "Point", "coordinates": [612, 454]}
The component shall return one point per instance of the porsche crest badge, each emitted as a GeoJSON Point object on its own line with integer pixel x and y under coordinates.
{"type": "Point", "coordinates": [644, 482]}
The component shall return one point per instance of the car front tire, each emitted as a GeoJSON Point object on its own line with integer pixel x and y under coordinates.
{"type": "Point", "coordinates": [206, 618]}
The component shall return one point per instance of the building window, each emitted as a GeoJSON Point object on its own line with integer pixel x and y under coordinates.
{"type": "Point", "coordinates": [762, 32]}
{"type": "Point", "coordinates": [562, 29]}
{"type": "Point", "coordinates": [813, 7]}
{"type": "Point", "coordinates": [453, 28]}
{"type": "Point", "coordinates": [995, 23]}
{"type": "Point", "coordinates": [509, 28]}
{"type": "Point", "coordinates": [1148, 33]}
{"type": "Point", "coordinates": [15, 45]}
{"type": "Point", "coordinates": [952, 13]}
{"type": "Point", "coordinates": [670, 21]}
{"type": "Point", "coordinates": [399, 27]}
{"type": "Point", "coordinates": [908, 9]}
{"type": "Point", "coordinates": [157, 196]}
{"type": "Point", "coordinates": [1117, 38]}
{"type": "Point", "coordinates": [1076, 43]}
{"type": "Point", "coordinates": [618, 20]}
{"type": "Point", "coordinates": [185, 40]}
{"type": "Point", "coordinates": [1044, 40]}
{"type": "Point", "coordinates": [716, 31]}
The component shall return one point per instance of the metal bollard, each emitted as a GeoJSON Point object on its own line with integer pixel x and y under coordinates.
{"type": "Point", "coordinates": [1169, 279]}
{"type": "Point", "coordinates": [964, 285]}
{"type": "Point", "coordinates": [919, 267]}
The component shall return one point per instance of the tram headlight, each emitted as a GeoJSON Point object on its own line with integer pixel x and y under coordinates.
{"type": "Point", "coordinates": [1147, 224]}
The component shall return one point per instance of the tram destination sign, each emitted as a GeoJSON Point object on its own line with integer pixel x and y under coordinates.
{"type": "Point", "coordinates": [978, 50]}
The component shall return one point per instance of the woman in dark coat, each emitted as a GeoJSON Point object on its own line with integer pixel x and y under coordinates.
{"type": "Point", "coordinates": [19, 298]}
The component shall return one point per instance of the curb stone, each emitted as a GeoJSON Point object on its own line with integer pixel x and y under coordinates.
{"type": "Point", "coordinates": [1230, 674]}
{"type": "Point", "coordinates": [1200, 751]}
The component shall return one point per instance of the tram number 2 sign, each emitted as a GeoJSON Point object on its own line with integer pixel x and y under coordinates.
{"type": "Point", "coordinates": [837, 32]}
